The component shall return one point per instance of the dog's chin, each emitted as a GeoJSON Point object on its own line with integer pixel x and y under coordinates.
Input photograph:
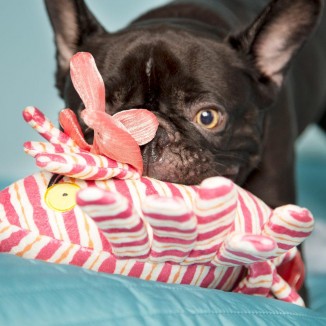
{"type": "Point", "coordinates": [175, 168]}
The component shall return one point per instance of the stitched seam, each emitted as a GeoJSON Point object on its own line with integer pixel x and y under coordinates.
{"type": "Point", "coordinates": [104, 289]}
{"type": "Point", "coordinates": [188, 313]}
{"type": "Point", "coordinates": [179, 312]}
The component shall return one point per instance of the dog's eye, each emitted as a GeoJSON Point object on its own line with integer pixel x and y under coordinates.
{"type": "Point", "coordinates": [208, 118]}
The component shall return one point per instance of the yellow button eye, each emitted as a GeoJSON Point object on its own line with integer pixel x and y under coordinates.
{"type": "Point", "coordinates": [61, 197]}
{"type": "Point", "coordinates": [208, 118]}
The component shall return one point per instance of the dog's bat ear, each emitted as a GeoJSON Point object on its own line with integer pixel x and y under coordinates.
{"type": "Point", "coordinates": [72, 23]}
{"type": "Point", "coordinates": [277, 34]}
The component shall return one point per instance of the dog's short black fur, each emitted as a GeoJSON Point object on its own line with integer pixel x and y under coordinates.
{"type": "Point", "coordinates": [192, 61]}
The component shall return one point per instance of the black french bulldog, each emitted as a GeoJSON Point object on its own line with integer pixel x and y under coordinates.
{"type": "Point", "coordinates": [217, 75]}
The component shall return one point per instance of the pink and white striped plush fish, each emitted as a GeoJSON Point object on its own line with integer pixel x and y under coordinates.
{"type": "Point", "coordinates": [88, 210]}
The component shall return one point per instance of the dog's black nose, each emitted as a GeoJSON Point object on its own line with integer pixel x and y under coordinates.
{"type": "Point", "coordinates": [162, 137]}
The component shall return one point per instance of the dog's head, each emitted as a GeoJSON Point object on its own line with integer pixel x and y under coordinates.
{"type": "Point", "coordinates": [209, 91]}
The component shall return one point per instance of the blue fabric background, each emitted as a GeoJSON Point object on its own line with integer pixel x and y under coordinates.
{"type": "Point", "coordinates": [36, 293]}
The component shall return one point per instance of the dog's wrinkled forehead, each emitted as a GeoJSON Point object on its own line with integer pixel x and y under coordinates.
{"type": "Point", "coordinates": [156, 70]}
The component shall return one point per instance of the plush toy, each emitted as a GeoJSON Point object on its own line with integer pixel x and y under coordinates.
{"type": "Point", "coordinates": [90, 207]}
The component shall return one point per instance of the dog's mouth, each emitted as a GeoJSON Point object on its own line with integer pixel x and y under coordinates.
{"type": "Point", "coordinates": [180, 163]}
